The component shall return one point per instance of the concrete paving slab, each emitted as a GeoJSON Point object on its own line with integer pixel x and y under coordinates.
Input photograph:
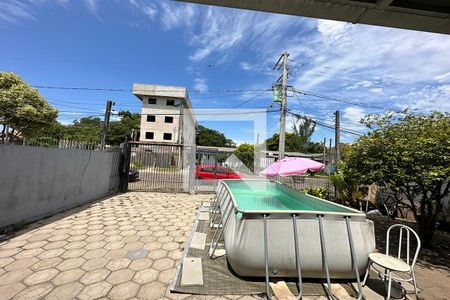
{"type": "Point", "coordinates": [203, 216]}
{"type": "Point", "coordinates": [198, 241]}
{"type": "Point", "coordinates": [192, 272]}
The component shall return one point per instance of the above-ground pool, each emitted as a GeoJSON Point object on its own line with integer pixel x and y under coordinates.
{"type": "Point", "coordinates": [327, 233]}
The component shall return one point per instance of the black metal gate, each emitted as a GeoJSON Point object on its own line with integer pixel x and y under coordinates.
{"type": "Point", "coordinates": [170, 167]}
{"type": "Point", "coordinates": [158, 167]}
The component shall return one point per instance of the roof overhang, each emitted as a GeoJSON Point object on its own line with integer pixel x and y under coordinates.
{"type": "Point", "coordinates": [155, 90]}
{"type": "Point", "coordinates": [422, 15]}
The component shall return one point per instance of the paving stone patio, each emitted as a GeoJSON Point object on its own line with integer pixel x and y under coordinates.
{"type": "Point", "coordinates": [122, 247]}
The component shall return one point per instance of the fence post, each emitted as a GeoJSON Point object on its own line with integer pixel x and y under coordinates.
{"type": "Point", "coordinates": [125, 153]}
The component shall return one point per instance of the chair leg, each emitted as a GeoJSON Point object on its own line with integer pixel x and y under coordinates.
{"type": "Point", "coordinates": [366, 276]}
{"type": "Point", "coordinates": [415, 285]}
{"type": "Point", "coordinates": [388, 297]}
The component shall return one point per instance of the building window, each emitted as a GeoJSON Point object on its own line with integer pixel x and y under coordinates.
{"type": "Point", "coordinates": [151, 100]}
{"type": "Point", "coordinates": [149, 135]}
{"type": "Point", "coordinates": [151, 118]}
{"type": "Point", "coordinates": [167, 136]}
{"type": "Point", "coordinates": [168, 119]}
{"type": "Point", "coordinates": [170, 102]}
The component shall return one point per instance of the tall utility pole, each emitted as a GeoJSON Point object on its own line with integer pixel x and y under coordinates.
{"type": "Point", "coordinates": [109, 105]}
{"type": "Point", "coordinates": [324, 149]}
{"type": "Point", "coordinates": [329, 152]}
{"type": "Point", "coordinates": [282, 62]}
{"type": "Point", "coordinates": [337, 136]}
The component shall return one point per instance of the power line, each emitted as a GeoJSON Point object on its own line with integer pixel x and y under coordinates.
{"type": "Point", "coordinates": [343, 129]}
{"type": "Point", "coordinates": [159, 91]}
{"type": "Point", "coordinates": [209, 113]}
{"type": "Point", "coordinates": [350, 71]}
{"type": "Point", "coordinates": [243, 102]}
{"type": "Point", "coordinates": [309, 93]}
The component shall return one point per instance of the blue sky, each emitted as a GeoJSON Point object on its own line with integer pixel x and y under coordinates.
{"type": "Point", "coordinates": [113, 44]}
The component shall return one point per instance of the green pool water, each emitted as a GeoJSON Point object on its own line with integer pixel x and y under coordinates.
{"type": "Point", "coordinates": [261, 195]}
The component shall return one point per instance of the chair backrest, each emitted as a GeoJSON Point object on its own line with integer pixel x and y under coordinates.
{"type": "Point", "coordinates": [408, 231]}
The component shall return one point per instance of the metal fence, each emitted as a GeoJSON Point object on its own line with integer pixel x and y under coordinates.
{"type": "Point", "coordinates": [155, 166]}
{"type": "Point", "coordinates": [172, 167]}
{"type": "Point", "coordinates": [55, 143]}
{"type": "Point", "coordinates": [302, 183]}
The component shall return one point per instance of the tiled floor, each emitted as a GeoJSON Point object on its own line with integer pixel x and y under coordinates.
{"type": "Point", "coordinates": [122, 247]}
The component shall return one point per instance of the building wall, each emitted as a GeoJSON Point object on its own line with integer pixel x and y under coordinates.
{"type": "Point", "coordinates": [37, 182]}
{"type": "Point", "coordinates": [160, 110]}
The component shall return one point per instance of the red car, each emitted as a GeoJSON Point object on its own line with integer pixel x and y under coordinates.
{"type": "Point", "coordinates": [208, 171]}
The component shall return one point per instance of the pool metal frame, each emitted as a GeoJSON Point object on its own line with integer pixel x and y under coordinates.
{"type": "Point", "coordinates": [219, 220]}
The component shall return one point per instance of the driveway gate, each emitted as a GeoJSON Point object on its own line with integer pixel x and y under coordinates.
{"type": "Point", "coordinates": [158, 167]}
{"type": "Point", "coordinates": [171, 167]}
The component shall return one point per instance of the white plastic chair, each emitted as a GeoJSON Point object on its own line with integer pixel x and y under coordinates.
{"type": "Point", "coordinates": [393, 265]}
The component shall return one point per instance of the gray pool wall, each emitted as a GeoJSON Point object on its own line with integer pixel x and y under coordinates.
{"type": "Point", "coordinates": [244, 243]}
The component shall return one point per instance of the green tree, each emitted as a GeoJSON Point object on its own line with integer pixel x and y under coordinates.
{"type": "Point", "coordinates": [87, 129]}
{"type": "Point", "coordinates": [347, 185]}
{"type": "Point", "coordinates": [304, 128]}
{"type": "Point", "coordinates": [121, 130]}
{"type": "Point", "coordinates": [293, 143]}
{"type": "Point", "coordinates": [23, 108]}
{"type": "Point", "coordinates": [211, 137]}
{"type": "Point", "coordinates": [409, 153]}
{"type": "Point", "coordinates": [299, 140]}
{"type": "Point", "coordinates": [246, 153]}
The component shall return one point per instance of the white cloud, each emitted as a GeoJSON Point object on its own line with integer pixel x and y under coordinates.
{"type": "Point", "coordinates": [92, 6]}
{"type": "Point", "coordinates": [220, 31]}
{"type": "Point", "coordinates": [200, 84]}
{"type": "Point", "coordinates": [332, 31]}
{"type": "Point", "coordinates": [14, 11]}
{"type": "Point", "coordinates": [443, 77]}
{"type": "Point", "coordinates": [176, 14]}
{"type": "Point", "coordinates": [147, 8]}
{"type": "Point", "coordinates": [445, 88]}
{"type": "Point", "coordinates": [377, 90]}
{"type": "Point", "coordinates": [351, 118]}
{"type": "Point", "coordinates": [364, 84]}
{"type": "Point", "coordinates": [245, 66]}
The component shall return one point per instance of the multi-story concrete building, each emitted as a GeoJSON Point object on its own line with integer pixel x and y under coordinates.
{"type": "Point", "coordinates": [166, 115]}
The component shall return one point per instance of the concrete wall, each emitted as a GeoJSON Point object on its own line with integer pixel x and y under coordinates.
{"type": "Point", "coordinates": [160, 110]}
{"type": "Point", "coordinates": [36, 182]}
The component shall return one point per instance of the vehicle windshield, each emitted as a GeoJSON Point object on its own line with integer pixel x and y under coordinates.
{"type": "Point", "coordinates": [229, 169]}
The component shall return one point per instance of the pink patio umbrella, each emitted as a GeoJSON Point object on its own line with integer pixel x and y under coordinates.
{"type": "Point", "coordinates": [292, 166]}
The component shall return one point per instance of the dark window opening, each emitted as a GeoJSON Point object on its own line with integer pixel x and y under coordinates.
{"type": "Point", "coordinates": [149, 135]}
{"type": "Point", "coordinates": [170, 102]}
{"type": "Point", "coordinates": [168, 119]}
{"type": "Point", "coordinates": [151, 100]}
{"type": "Point", "coordinates": [151, 118]}
{"type": "Point", "coordinates": [167, 136]}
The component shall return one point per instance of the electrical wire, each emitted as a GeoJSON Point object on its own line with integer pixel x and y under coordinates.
{"type": "Point", "coordinates": [316, 95]}
{"type": "Point", "coordinates": [131, 90]}
{"type": "Point", "coordinates": [243, 102]}
{"type": "Point", "coordinates": [209, 113]}
{"type": "Point", "coordinates": [343, 129]}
